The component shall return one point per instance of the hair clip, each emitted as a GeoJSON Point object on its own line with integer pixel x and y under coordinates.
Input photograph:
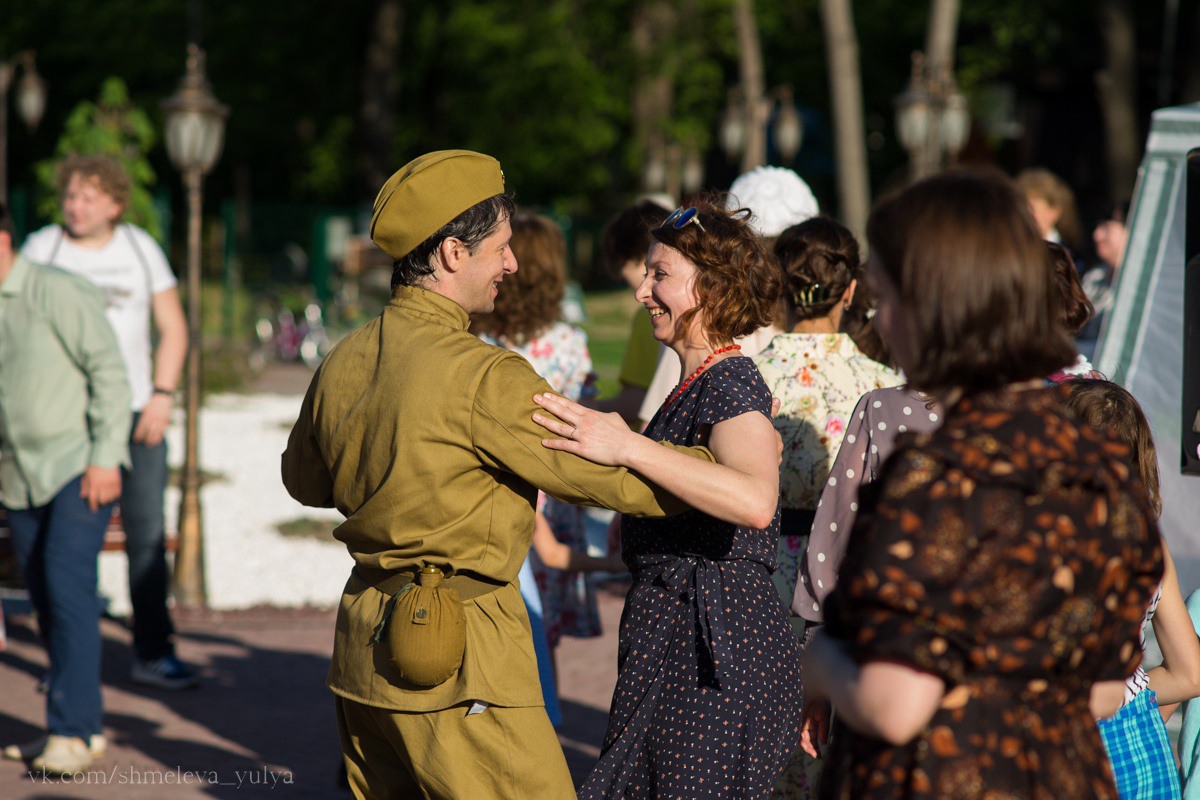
{"type": "Point", "coordinates": [811, 295]}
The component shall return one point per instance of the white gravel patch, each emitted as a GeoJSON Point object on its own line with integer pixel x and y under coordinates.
{"type": "Point", "coordinates": [247, 561]}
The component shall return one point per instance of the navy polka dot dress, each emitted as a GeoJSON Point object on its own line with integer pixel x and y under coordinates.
{"type": "Point", "coordinates": [707, 703]}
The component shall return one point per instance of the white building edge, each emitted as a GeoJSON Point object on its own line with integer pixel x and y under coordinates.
{"type": "Point", "coordinates": [1142, 344]}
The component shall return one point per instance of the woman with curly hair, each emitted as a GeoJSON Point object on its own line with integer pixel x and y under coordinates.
{"type": "Point", "coordinates": [707, 701]}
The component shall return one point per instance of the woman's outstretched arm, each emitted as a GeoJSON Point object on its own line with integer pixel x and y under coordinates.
{"type": "Point", "coordinates": [1178, 677]}
{"type": "Point", "coordinates": [886, 700]}
{"type": "Point", "coordinates": [742, 487]}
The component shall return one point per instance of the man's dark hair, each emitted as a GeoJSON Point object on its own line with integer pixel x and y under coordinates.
{"type": "Point", "coordinates": [470, 227]}
{"type": "Point", "coordinates": [6, 223]}
{"type": "Point", "coordinates": [627, 235]}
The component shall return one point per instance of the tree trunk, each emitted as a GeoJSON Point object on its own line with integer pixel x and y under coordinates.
{"type": "Point", "coordinates": [845, 88]}
{"type": "Point", "coordinates": [653, 93]}
{"type": "Point", "coordinates": [1118, 102]}
{"type": "Point", "coordinates": [750, 61]}
{"type": "Point", "coordinates": [380, 90]}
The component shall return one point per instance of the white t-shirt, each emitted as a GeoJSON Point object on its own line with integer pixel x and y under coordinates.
{"type": "Point", "coordinates": [130, 269]}
{"type": "Point", "coordinates": [669, 372]}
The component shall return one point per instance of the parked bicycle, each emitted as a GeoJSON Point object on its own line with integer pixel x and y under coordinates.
{"type": "Point", "coordinates": [280, 336]}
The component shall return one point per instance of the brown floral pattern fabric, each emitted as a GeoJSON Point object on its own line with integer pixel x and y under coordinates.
{"type": "Point", "coordinates": [1011, 553]}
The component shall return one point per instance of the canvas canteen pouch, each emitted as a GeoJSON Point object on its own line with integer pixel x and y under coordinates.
{"type": "Point", "coordinates": [423, 626]}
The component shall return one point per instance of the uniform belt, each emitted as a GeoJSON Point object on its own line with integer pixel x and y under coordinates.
{"type": "Point", "coordinates": [796, 521]}
{"type": "Point", "coordinates": [389, 582]}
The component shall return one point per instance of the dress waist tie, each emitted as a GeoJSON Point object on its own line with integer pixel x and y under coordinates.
{"type": "Point", "coordinates": [695, 581]}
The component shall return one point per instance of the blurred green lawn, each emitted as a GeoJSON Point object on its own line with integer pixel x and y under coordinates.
{"type": "Point", "coordinates": [608, 315]}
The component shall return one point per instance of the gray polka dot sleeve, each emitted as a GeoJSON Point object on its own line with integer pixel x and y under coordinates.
{"type": "Point", "coordinates": [879, 417]}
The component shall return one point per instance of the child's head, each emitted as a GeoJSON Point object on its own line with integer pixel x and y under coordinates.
{"type": "Point", "coordinates": [1105, 405]}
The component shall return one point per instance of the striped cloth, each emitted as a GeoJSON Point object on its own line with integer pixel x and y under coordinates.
{"type": "Point", "coordinates": [1137, 744]}
{"type": "Point", "coordinates": [1139, 680]}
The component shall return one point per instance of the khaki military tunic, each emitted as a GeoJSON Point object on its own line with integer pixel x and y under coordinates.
{"type": "Point", "coordinates": [421, 435]}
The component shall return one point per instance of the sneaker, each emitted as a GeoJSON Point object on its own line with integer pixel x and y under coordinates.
{"type": "Point", "coordinates": [167, 672]}
{"type": "Point", "coordinates": [97, 746]}
{"type": "Point", "coordinates": [64, 755]}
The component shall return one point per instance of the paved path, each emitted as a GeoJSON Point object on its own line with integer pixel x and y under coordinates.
{"type": "Point", "coordinates": [262, 724]}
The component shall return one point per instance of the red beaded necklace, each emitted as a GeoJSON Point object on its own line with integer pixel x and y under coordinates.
{"type": "Point", "coordinates": [688, 381]}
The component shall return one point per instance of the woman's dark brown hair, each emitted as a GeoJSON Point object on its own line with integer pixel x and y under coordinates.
{"type": "Point", "coordinates": [974, 281]}
{"type": "Point", "coordinates": [819, 258]}
{"type": "Point", "coordinates": [530, 299]}
{"type": "Point", "coordinates": [858, 324]}
{"type": "Point", "coordinates": [1073, 302]}
{"type": "Point", "coordinates": [737, 282]}
{"type": "Point", "coordinates": [627, 235]}
{"type": "Point", "coordinates": [1106, 406]}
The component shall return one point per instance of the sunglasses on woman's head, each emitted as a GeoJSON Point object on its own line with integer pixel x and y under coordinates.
{"type": "Point", "coordinates": [682, 217]}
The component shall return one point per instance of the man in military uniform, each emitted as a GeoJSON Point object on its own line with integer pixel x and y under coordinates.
{"type": "Point", "coordinates": [422, 435]}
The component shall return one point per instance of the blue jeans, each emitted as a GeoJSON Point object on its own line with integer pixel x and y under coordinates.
{"type": "Point", "coordinates": [142, 489]}
{"type": "Point", "coordinates": [58, 546]}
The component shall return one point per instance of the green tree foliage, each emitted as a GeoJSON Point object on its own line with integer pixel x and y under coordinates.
{"type": "Point", "coordinates": [552, 133]}
{"type": "Point", "coordinates": [329, 159]}
{"type": "Point", "coordinates": [546, 86]}
{"type": "Point", "coordinates": [112, 125]}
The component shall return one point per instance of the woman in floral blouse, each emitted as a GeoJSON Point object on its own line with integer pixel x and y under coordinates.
{"type": "Point", "coordinates": [527, 320]}
{"type": "Point", "coordinates": [999, 568]}
{"type": "Point", "coordinates": [816, 373]}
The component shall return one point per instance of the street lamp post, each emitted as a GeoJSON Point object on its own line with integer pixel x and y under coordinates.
{"type": "Point", "coordinates": [195, 132]}
{"type": "Point", "coordinates": [673, 168]}
{"type": "Point", "coordinates": [789, 126]}
{"type": "Point", "coordinates": [31, 103]}
{"type": "Point", "coordinates": [933, 120]}
{"type": "Point", "coordinates": [777, 112]}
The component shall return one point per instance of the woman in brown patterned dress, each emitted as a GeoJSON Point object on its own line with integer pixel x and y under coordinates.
{"type": "Point", "coordinates": [999, 568]}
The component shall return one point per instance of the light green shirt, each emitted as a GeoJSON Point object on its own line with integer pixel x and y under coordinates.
{"type": "Point", "coordinates": [64, 394]}
{"type": "Point", "coordinates": [641, 354]}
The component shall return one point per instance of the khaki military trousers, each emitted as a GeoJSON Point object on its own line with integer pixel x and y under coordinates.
{"type": "Point", "coordinates": [497, 754]}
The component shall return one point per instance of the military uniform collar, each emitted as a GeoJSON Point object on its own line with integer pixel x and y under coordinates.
{"type": "Point", "coordinates": [431, 304]}
{"type": "Point", "coordinates": [16, 277]}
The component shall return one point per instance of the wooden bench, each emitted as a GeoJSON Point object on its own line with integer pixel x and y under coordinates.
{"type": "Point", "coordinates": [114, 536]}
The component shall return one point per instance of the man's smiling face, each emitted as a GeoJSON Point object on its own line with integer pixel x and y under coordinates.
{"type": "Point", "coordinates": [484, 269]}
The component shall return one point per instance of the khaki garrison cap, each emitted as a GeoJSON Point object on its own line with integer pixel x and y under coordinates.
{"type": "Point", "coordinates": [428, 192]}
